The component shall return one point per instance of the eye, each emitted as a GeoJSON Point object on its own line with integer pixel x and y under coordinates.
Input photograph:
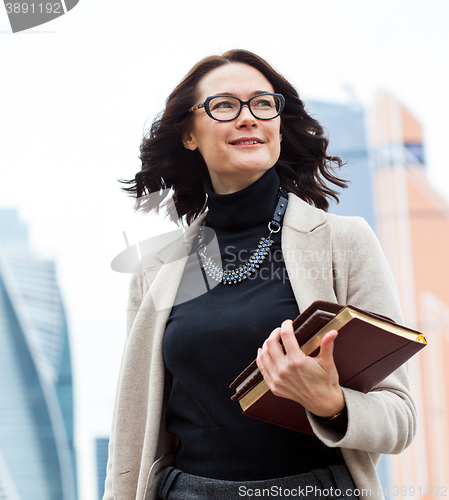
{"type": "Point", "coordinates": [223, 104]}
{"type": "Point", "coordinates": [263, 102]}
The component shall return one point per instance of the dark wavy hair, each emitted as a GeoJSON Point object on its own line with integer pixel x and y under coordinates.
{"type": "Point", "coordinates": [304, 167]}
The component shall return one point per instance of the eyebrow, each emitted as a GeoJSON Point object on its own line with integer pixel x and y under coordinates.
{"type": "Point", "coordinates": [256, 92]}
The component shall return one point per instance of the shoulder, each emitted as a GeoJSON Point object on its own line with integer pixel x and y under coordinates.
{"type": "Point", "coordinates": [351, 230]}
{"type": "Point", "coordinates": [306, 218]}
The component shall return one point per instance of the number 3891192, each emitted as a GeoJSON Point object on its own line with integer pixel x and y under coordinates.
{"type": "Point", "coordinates": [34, 8]}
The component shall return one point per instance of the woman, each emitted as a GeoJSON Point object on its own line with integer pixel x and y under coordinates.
{"type": "Point", "coordinates": [234, 132]}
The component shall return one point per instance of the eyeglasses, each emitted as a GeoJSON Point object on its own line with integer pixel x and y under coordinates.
{"type": "Point", "coordinates": [225, 108]}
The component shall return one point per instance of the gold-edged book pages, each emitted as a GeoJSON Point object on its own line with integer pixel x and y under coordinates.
{"type": "Point", "coordinates": [346, 315]}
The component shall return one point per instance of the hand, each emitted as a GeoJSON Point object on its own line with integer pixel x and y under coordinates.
{"type": "Point", "coordinates": [310, 381]}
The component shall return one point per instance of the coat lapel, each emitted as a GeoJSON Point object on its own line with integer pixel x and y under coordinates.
{"type": "Point", "coordinates": [165, 277]}
{"type": "Point", "coordinates": [307, 250]}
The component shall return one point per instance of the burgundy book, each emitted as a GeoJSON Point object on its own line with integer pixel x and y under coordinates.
{"type": "Point", "coordinates": [369, 347]}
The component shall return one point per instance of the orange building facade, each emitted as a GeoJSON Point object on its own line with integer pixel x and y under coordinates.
{"type": "Point", "coordinates": [413, 228]}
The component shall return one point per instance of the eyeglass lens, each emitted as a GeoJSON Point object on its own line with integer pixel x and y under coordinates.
{"type": "Point", "coordinates": [227, 107]}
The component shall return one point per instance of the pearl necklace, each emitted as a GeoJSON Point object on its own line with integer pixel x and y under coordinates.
{"type": "Point", "coordinates": [257, 257]}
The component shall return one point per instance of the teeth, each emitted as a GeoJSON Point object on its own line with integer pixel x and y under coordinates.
{"type": "Point", "coordinates": [246, 142]}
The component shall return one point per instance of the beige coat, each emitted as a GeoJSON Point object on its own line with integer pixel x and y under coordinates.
{"type": "Point", "coordinates": [327, 257]}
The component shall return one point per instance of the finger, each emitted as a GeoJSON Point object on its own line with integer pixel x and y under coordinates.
{"type": "Point", "coordinates": [264, 363]}
{"type": "Point", "coordinates": [273, 345]}
{"type": "Point", "coordinates": [264, 358]}
{"type": "Point", "coordinates": [275, 334]}
{"type": "Point", "coordinates": [288, 338]}
{"type": "Point", "coordinates": [259, 361]}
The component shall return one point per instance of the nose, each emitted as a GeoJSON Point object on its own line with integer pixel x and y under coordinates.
{"type": "Point", "coordinates": [246, 118]}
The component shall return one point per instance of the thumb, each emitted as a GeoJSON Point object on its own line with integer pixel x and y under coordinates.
{"type": "Point", "coordinates": [327, 347]}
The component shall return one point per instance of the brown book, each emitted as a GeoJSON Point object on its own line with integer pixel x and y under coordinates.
{"type": "Point", "coordinates": [368, 348]}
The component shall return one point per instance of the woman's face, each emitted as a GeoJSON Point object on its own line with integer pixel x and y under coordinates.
{"type": "Point", "coordinates": [232, 164]}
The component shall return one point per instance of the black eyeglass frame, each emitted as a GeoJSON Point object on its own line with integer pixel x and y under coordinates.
{"type": "Point", "coordinates": [205, 105]}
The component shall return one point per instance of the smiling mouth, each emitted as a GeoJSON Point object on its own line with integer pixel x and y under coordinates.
{"type": "Point", "coordinates": [245, 143]}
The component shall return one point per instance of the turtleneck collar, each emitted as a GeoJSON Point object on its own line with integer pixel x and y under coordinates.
{"type": "Point", "coordinates": [246, 208]}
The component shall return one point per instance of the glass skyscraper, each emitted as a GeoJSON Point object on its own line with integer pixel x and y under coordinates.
{"type": "Point", "coordinates": [37, 459]}
{"type": "Point", "coordinates": [101, 454]}
{"type": "Point", "coordinates": [345, 125]}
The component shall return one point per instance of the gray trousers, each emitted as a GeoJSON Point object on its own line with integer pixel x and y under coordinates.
{"type": "Point", "coordinates": [334, 482]}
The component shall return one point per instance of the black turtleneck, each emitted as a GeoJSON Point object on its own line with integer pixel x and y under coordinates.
{"type": "Point", "coordinates": [246, 208]}
{"type": "Point", "coordinates": [209, 340]}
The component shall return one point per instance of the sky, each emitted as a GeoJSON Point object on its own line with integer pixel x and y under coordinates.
{"type": "Point", "coordinates": [78, 93]}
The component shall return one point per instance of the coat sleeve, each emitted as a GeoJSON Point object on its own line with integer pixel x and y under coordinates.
{"type": "Point", "coordinates": [135, 297]}
{"type": "Point", "coordinates": [384, 420]}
